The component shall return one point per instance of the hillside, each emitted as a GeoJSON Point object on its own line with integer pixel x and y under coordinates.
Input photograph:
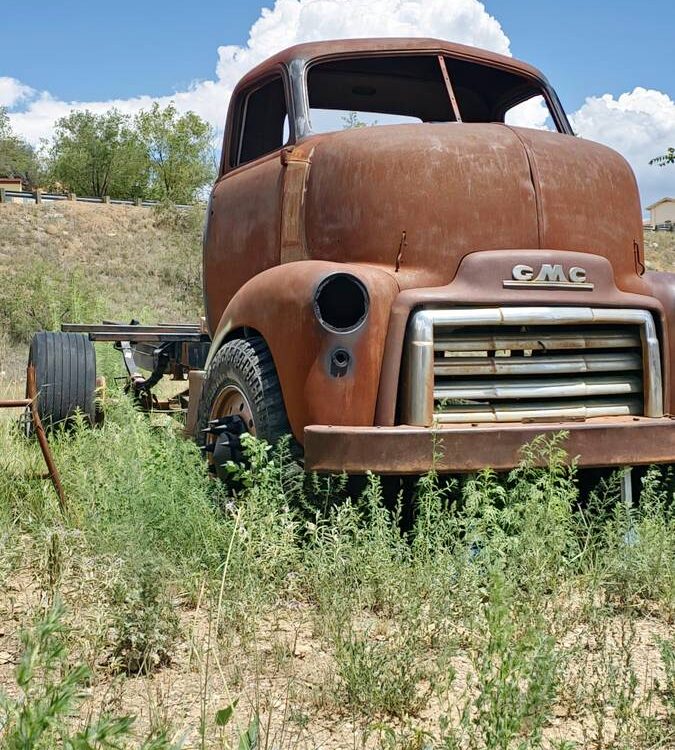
{"type": "Point", "coordinates": [64, 262]}
{"type": "Point", "coordinates": [660, 251]}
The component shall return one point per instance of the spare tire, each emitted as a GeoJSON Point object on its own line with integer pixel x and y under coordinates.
{"type": "Point", "coordinates": [65, 376]}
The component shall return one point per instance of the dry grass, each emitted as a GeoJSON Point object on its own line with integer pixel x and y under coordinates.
{"type": "Point", "coordinates": [119, 262]}
{"type": "Point", "coordinates": [129, 255]}
{"type": "Point", "coordinates": [660, 251]}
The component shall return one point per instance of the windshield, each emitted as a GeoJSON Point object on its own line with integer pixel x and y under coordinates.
{"type": "Point", "coordinates": [383, 90]}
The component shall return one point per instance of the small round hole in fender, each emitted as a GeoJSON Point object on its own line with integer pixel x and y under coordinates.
{"type": "Point", "coordinates": [341, 303]}
{"type": "Point", "coordinates": [340, 360]}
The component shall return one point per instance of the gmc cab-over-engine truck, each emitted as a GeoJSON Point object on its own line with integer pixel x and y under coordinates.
{"type": "Point", "coordinates": [398, 274]}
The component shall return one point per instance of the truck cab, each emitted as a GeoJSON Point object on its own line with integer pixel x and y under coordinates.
{"type": "Point", "coordinates": [411, 261]}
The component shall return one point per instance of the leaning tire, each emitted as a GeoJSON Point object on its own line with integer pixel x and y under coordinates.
{"type": "Point", "coordinates": [65, 376]}
{"type": "Point", "coordinates": [241, 394]}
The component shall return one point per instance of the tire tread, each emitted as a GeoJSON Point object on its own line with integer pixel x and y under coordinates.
{"type": "Point", "coordinates": [248, 363]}
{"type": "Point", "coordinates": [65, 375]}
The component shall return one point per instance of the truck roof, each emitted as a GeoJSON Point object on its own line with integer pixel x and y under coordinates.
{"type": "Point", "coordinates": [314, 50]}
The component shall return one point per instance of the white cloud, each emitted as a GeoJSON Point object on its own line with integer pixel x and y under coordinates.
{"type": "Point", "coordinates": [640, 125]}
{"type": "Point", "coordinates": [12, 92]}
{"type": "Point", "coordinates": [530, 114]}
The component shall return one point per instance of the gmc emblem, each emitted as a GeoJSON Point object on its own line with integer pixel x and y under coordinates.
{"type": "Point", "coordinates": [549, 276]}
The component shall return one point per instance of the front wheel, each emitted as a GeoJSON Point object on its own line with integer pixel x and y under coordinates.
{"type": "Point", "coordinates": [241, 394]}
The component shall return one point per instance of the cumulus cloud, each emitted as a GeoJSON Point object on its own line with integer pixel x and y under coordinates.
{"type": "Point", "coordinates": [12, 92]}
{"type": "Point", "coordinates": [530, 114]}
{"type": "Point", "coordinates": [640, 125]}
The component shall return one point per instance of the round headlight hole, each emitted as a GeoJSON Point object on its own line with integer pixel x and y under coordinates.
{"type": "Point", "coordinates": [341, 303]}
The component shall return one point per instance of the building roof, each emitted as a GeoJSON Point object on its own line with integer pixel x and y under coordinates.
{"type": "Point", "coordinates": [659, 202]}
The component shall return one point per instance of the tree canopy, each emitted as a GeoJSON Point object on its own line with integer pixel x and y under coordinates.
{"type": "Point", "coordinates": [97, 155]}
{"type": "Point", "coordinates": [157, 154]}
{"type": "Point", "coordinates": [179, 153]}
{"type": "Point", "coordinates": [667, 158]}
{"type": "Point", "coordinates": [17, 158]}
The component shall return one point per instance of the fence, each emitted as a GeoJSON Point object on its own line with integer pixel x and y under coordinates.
{"type": "Point", "coordinates": [14, 196]}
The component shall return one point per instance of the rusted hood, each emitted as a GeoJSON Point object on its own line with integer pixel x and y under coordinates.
{"type": "Point", "coordinates": [421, 197]}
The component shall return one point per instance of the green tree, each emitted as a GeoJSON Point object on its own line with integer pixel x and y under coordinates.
{"type": "Point", "coordinates": [667, 158]}
{"type": "Point", "coordinates": [17, 158]}
{"type": "Point", "coordinates": [352, 120]}
{"type": "Point", "coordinates": [179, 150]}
{"type": "Point", "coordinates": [97, 155]}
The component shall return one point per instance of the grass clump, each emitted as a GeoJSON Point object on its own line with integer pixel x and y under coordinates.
{"type": "Point", "coordinates": [381, 673]}
{"type": "Point", "coordinates": [42, 296]}
{"type": "Point", "coordinates": [144, 621]}
{"type": "Point", "coordinates": [50, 692]}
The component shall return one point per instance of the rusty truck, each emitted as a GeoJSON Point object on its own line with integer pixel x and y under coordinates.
{"type": "Point", "coordinates": [400, 273]}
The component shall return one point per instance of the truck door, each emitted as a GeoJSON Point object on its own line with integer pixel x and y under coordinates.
{"type": "Point", "coordinates": [243, 224]}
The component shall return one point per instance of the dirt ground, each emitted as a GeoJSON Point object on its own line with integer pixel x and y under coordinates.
{"type": "Point", "coordinates": [284, 670]}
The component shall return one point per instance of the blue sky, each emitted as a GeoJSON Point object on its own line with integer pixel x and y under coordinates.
{"type": "Point", "coordinates": [107, 51]}
{"type": "Point", "coordinates": [613, 63]}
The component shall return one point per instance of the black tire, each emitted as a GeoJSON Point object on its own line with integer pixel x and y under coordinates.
{"type": "Point", "coordinates": [246, 365]}
{"type": "Point", "coordinates": [65, 376]}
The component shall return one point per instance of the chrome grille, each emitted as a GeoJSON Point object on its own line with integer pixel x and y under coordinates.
{"type": "Point", "coordinates": [512, 364]}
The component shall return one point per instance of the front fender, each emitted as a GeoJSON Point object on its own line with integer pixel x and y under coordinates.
{"type": "Point", "coordinates": [278, 304]}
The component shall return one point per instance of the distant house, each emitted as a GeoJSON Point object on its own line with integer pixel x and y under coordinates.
{"type": "Point", "coordinates": [11, 183]}
{"type": "Point", "coordinates": [662, 211]}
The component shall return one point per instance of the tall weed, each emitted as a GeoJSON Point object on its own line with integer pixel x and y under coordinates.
{"type": "Point", "coordinates": [50, 691]}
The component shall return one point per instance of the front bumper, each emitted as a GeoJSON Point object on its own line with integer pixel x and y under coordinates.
{"type": "Point", "coordinates": [629, 441]}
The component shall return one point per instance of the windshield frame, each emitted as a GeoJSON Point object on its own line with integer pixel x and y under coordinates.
{"type": "Point", "coordinates": [299, 69]}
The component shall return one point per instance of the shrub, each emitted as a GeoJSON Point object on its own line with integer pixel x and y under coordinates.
{"type": "Point", "coordinates": [50, 692]}
{"type": "Point", "coordinates": [144, 621]}
{"type": "Point", "coordinates": [42, 297]}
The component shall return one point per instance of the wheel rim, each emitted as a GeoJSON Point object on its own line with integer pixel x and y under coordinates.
{"type": "Point", "coordinates": [232, 402]}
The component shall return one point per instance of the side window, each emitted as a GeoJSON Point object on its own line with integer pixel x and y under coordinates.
{"type": "Point", "coordinates": [263, 122]}
{"type": "Point", "coordinates": [532, 113]}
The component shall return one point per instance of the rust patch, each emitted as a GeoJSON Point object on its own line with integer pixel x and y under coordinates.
{"type": "Point", "coordinates": [293, 241]}
{"type": "Point", "coordinates": [399, 257]}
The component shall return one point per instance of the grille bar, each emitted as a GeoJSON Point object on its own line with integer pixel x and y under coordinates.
{"type": "Point", "coordinates": [514, 365]}
{"type": "Point", "coordinates": [542, 411]}
{"type": "Point", "coordinates": [533, 362]}
{"type": "Point", "coordinates": [539, 388]}
{"type": "Point", "coordinates": [541, 342]}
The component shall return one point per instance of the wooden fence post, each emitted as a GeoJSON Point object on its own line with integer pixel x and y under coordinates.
{"type": "Point", "coordinates": [106, 199]}
{"type": "Point", "coordinates": [38, 195]}
{"type": "Point", "coordinates": [3, 195]}
{"type": "Point", "coordinates": [72, 197]}
{"type": "Point", "coordinates": [139, 202]}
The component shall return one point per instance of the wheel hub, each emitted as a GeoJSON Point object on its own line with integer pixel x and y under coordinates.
{"type": "Point", "coordinates": [231, 416]}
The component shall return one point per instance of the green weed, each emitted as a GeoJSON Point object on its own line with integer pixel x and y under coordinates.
{"type": "Point", "coordinates": [50, 692]}
{"type": "Point", "coordinates": [144, 621]}
{"type": "Point", "coordinates": [42, 297]}
{"type": "Point", "coordinates": [471, 620]}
